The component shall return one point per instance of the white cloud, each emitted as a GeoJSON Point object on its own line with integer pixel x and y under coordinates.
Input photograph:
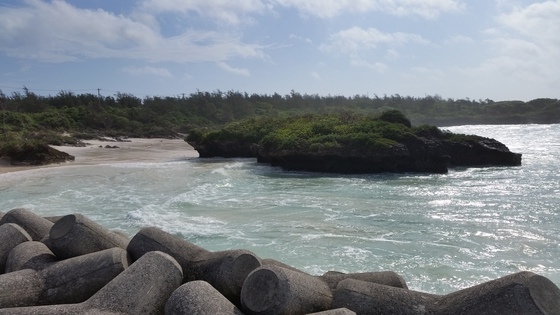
{"type": "Point", "coordinates": [526, 47]}
{"type": "Point", "coordinates": [531, 37]}
{"type": "Point", "coordinates": [392, 54]}
{"type": "Point", "coordinates": [148, 70]}
{"type": "Point", "coordinates": [238, 71]}
{"type": "Point", "coordinates": [57, 32]}
{"type": "Point", "coordinates": [539, 22]}
{"type": "Point", "coordinates": [316, 75]}
{"type": "Point", "coordinates": [299, 38]}
{"type": "Point", "coordinates": [240, 11]}
{"type": "Point", "coordinates": [330, 8]}
{"type": "Point", "coordinates": [230, 12]}
{"type": "Point", "coordinates": [378, 67]}
{"type": "Point", "coordinates": [460, 39]}
{"type": "Point", "coordinates": [357, 39]}
{"type": "Point", "coordinates": [428, 73]}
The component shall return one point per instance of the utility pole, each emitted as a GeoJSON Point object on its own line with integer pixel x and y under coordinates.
{"type": "Point", "coordinates": [99, 97]}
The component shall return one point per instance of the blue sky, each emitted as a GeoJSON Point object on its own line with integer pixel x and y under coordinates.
{"type": "Point", "coordinates": [478, 49]}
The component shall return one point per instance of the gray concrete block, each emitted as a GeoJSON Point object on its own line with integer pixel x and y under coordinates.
{"type": "Point", "coordinates": [199, 297]}
{"type": "Point", "coordinates": [74, 235]}
{"type": "Point", "coordinates": [332, 278]}
{"type": "Point", "coordinates": [30, 255]}
{"type": "Point", "coordinates": [143, 288]}
{"type": "Point", "coordinates": [11, 235]}
{"type": "Point", "coordinates": [337, 311]}
{"type": "Point", "coordinates": [37, 226]}
{"type": "Point", "coordinates": [69, 281]}
{"type": "Point", "coordinates": [274, 262]}
{"type": "Point", "coordinates": [367, 298]}
{"type": "Point", "coordinates": [273, 290]}
{"type": "Point", "coordinates": [54, 218]}
{"type": "Point", "coordinates": [224, 270]}
{"type": "Point", "coordinates": [390, 278]}
{"type": "Point", "coordinates": [519, 293]}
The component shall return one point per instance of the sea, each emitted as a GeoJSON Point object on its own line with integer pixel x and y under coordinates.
{"type": "Point", "coordinates": [440, 232]}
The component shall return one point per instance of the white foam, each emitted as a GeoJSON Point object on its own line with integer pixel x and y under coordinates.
{"type": "Point", "coordinates": [175, 222]}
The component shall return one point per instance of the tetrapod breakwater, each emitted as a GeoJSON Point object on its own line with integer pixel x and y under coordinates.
{"type": "Point", "coordinates": [72, 265]}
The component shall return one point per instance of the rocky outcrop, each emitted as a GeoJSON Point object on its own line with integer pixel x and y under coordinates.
{"type": "Point", "coordinates": [399, 160]}
{"type": "Point", "coordinates": [352, 144]}
{"type": "Point", "coordinates": [479, 151]}
{"type": "Point", "coordinates": [34, 154]}
{"type": "Point", "coordinates": [225, 149]}
{"type": "Point", "coordinates": [430, 154]}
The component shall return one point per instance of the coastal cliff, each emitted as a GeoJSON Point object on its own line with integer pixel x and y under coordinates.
{"type": "Point", "coordinates": [351, 143]}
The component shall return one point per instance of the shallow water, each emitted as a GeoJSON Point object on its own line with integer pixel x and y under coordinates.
{"type": "Point", "coordinates": [440, 232]}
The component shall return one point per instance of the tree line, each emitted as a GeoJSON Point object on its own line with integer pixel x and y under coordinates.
{"type": "Point", "coordinates": [168, 116]}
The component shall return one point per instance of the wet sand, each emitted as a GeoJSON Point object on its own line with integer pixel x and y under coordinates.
{"type": "Point", "coordinates": [138, 150]}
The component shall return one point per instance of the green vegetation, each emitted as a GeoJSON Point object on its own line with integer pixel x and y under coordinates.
{"type": "Point", "coordinates": [330, 133]}
{"type": "Point", "coordinates": [32, 152]}
{"type": "Point", "coordinates": [350, 143]}
{"type": "Point", "coordinates": [30, 116]}
{"type": "Point", "coordinates": [322, 134]}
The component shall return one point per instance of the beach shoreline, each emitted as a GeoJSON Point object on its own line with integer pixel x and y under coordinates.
{"type": "Point", "coordinates": [96, 152]}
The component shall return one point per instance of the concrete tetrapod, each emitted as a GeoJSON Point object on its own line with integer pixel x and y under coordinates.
{"type": "Point", "coordinates": [30, 255]}
{"type": "Point", "coordinates": [332, 278]}
{"type": "Point", "coordinates": [199, 297]}
{"type": "Point", "coordinates": [143, 288]}
{"type": "Point", "coordinates": [224, 270]}
{"type": "Point", "coordinates": [336, 311]}
{"type": "Point", "coordinates": [11, 235]}
{"type": "Point", "coordinates": [74, 235]}
{"type": "Point", "coordinates": [274, 290]}
{"type": "Point", "coordinates": [72, 280]}
{"type": "Point", "coordinates": [37, 226]}
{"type": "Point", "coordinates": [390, 278]}
{"type": "Point", "coordinates": [520, 293]}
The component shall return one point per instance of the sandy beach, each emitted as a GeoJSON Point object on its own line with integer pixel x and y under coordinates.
{"type": "Point", "coordinates": [137, 150]}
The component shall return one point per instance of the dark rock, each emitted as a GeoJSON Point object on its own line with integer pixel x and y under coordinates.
{"type": "Point", "coordinates": [399, 161]}
{"type": "Point", "coordinates": [225, 149]}
{"type": "Point", "coordinates": [480, 151]}
{"type": "Point", "coordinates": [396, 148]}
{"type": "Point", "coordinates": [35, 154]}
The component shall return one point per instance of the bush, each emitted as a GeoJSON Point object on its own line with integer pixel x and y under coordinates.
{"type": "Point", "coordinates": [395, 116]}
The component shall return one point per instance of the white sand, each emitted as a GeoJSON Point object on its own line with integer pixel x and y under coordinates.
{"type": "Point", "coordinates": [138, 150]}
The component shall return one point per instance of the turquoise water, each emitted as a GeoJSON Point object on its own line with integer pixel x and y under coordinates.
{"type": "Point", "coordinates": [440, 232]}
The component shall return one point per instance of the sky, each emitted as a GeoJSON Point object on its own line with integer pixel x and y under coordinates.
{"type": "Point", "coordinates": [476, 49]}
